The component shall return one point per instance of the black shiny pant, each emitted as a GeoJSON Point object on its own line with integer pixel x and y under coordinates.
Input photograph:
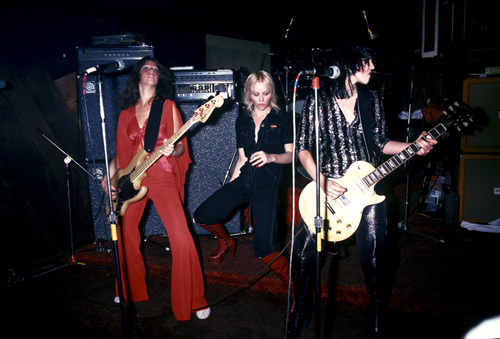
{"type": "Point", "coordinates": [371, 247]}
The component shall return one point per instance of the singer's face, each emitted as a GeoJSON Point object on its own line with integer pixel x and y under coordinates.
{"type": "Point", "coordinates": [363, 76]}
{"type": "Point", "coordinates": [261, 96]}
{"type": "Point", "coordinates": [149, 73]}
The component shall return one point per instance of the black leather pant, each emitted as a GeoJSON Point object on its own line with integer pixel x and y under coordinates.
{"type": "Point", "coordinates": [371, 248]}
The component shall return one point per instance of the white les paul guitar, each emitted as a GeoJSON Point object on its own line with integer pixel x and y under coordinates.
{"type": "Point", "coordinates": [341, 216]}
{"type": "Point", "coordinates": [128, 180]}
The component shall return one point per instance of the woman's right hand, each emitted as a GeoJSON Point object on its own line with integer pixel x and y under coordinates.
{"type": "Point", "coordinates": [333, 189]}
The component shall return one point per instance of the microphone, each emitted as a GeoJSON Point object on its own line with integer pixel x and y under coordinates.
{"type": "Point", "coordinates": [333, 72]}
{"type": "Point", "coordinates": [116, 65]}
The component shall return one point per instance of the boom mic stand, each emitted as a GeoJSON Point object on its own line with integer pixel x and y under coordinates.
{"type": "Point", "coordinates": [67, 160]}
{"type": "Point", "coordinates": [112, 215]}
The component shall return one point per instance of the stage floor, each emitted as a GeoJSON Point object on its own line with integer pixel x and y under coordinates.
{"type": "Point", "coordinates": [444, 284]}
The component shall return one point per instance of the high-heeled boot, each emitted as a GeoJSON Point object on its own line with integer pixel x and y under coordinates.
{"type": "Point", "coordinates": [226, 242]}
{"type": "Point", "coordinates": [281, 267]}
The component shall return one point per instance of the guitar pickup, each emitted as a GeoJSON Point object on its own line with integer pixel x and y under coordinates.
{"type": "Point", "coordinates": [344, 199]}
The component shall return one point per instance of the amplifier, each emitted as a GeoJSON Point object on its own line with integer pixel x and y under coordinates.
{"type": "Point", "coordinates": [89, 56]}
{"type": "Point", "coordinates": [193, 85]}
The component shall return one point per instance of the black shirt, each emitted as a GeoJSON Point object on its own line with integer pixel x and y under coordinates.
{"type": "Point", "coordinates": [275, 131]}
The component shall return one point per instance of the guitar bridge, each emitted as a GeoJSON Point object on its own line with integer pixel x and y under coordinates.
{"type": "Point", "coordinates": [329, 207]}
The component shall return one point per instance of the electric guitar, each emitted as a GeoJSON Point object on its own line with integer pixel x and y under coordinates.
{"type": "Point", "coordinates": [342, 215]}
{"type": "Point", "coordinates": [128, 180]}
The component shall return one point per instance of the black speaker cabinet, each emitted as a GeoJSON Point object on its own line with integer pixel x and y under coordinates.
{"type": "Point", "coordinates": [484, 94]}
{"type": "Point", "coordinates": [212, 147]}
{"type": "Point", "coordinates": [479, 187]}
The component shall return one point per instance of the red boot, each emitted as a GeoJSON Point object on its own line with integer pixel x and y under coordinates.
{"type": "Point", "coordinates": [281, 267]}
{"type": "Point", "coordinates": [226, 243]}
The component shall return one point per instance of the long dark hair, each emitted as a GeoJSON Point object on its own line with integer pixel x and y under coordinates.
{"type": "Point", "coordinates": [350, 59]}
{"type": "Point", "coordinates": [130, 94]}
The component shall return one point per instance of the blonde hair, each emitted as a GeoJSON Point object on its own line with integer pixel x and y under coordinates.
{"type": "Point", "coordinates": [267, 80]}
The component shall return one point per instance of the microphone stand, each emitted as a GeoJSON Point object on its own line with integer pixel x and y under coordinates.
{"type": "Point", "coordinates": [318, 221]}
{"type": "Point", "coordinates": [112, 215]}
{"type": "Point", "coordinates": [287, 62]}
{"type": "Point", "coordinates": [67, 160]}
{"type": "Point", "coordinates": [408, 138]}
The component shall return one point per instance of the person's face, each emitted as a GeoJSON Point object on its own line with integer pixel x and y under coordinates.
{"type": "Point", "coordinates": [363, 76]}
{"type": "Point", "coordinates": [149, 73]}
{"type": "Point", "coordinates": [261, 96]}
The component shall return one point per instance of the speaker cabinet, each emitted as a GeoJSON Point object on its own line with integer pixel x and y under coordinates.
{"type": "Point", "coordinates": [479, 187]}
{"type": "Point", "coordinates": [212, 147]}
{"type": "Point", "coordinates": [483, 94]}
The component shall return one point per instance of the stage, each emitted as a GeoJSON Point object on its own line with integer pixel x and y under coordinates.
{"type": "Point", "coordinates": [441, 289]}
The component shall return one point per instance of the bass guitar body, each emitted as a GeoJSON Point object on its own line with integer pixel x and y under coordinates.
{"type": "Point", "coordinates": [130, 191]}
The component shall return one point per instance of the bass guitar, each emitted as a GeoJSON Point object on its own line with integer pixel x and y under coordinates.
{"type": "Point", "coordinates": [128, 180]}
{"type": "Point", "coordinates": [341, 216]}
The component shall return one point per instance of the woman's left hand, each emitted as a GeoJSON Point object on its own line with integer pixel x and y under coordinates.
{"type": "Point", "coordinates": [426, 144]}
{"type": "Point", "coordinates": [168, 150]}
{"type": "Point", "coordinates": [260, 158]}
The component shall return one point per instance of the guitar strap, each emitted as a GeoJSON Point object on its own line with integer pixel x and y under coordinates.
{"type": "Point", "coordinates": [153, 127]}
{"type": "Point", "coordinates": [366, 115]}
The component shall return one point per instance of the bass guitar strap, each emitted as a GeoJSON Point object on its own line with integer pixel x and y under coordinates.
{"type": "Point", "coordinates": [153, 127]}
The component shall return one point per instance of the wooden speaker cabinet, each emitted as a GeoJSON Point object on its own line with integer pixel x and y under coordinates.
{"type": "Point", "coordinates": [479, 187]}
{"type": "Point", "coordinates": [483, 94]}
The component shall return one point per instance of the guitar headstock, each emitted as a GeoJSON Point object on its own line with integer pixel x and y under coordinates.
{"type": "Point", "coordinates": [203, 112]}
{"type": "Point", "coordinates": [458, 115]}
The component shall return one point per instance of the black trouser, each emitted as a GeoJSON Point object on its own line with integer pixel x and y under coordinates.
{"type": "Point", "coordinates": [371, 247]}
{"type": "Point", "coordinates": [263, 199]}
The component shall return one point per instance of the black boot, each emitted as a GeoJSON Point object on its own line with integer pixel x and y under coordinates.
{"type": "Point", "coordinates": [298, 319]}
{"type": "Point", "coordinates": [303, 269]}
{"type": "Point", "coordinates": [379, 301]}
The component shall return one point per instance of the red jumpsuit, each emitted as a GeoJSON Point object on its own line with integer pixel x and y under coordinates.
{"type": "Point", "coordinates": [165, 181]}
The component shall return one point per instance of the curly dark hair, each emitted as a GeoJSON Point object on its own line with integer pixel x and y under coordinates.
{"type": "Point", "coordinates": [130, 94]}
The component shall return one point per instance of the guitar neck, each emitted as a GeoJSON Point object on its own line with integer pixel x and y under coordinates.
{"type": "Point", "coordinates": [399, 159]}
{"type": "Point", "coordinates": [149, 161]}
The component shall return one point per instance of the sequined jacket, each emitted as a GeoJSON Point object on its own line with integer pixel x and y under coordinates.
{"type": "Point", "coordinates": [341, 143]}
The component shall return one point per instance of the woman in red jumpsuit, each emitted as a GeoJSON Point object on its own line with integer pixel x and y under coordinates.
{"type": "Point", "coordinates": [165, 181]}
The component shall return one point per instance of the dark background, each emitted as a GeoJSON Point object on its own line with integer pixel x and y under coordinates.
{"type": "Point", "coordinates": [38, 65]}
